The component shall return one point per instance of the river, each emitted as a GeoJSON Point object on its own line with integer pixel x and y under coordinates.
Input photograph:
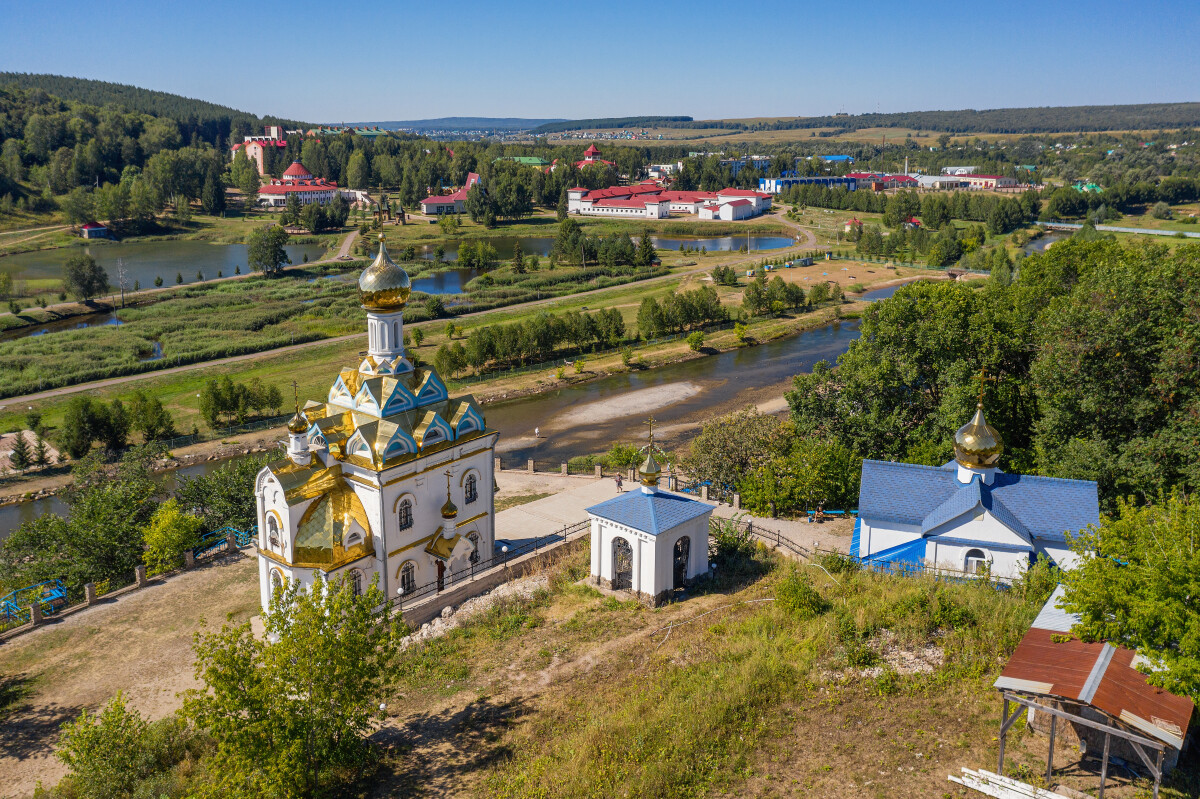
{"type": "Point", "coordinates": [588, 417]}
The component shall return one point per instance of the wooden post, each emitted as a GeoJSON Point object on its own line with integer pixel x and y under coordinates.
{"type": "Point", "coordinates": [139, 576]}
{"type": "Point", "coordinates": [89, 594]}
{"type": "Point", "coordinates": [1104, 766]}
{"type": "Point", "coordinates": [1003, 733]}
{"type": "Point", "coordinates": [1158, 775]}
{"type": "Point", "coordinates": [1050, 756]}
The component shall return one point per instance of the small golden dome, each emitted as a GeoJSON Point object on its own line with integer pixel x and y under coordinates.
{"type": "Point", "coordinates": [449, 510]}
{"type": "Point", "coordinates": [977, 445]}
{"type": "Point", "coordinates": [298, 423]}
{"type": "Point", "coordinates": [383, 286]}
{"type": "Point", "coordinates": [650, 470]}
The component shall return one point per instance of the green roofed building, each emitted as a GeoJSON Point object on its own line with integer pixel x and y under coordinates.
{"type": "Point", "coordinates": [527, 160]}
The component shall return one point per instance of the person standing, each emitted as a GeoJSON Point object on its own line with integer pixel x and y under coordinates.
{"type": "Point", "coordinates": [537, 433]}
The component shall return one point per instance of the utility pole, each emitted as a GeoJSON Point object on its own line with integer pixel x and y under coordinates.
{"type": "Point", "coordinates": [121, 278]}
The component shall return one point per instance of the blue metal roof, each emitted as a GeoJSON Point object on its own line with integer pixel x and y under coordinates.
{"type": "Point", "coordinates": [927, 496]}
{"type": "Point", "coordinates": [651, 513]}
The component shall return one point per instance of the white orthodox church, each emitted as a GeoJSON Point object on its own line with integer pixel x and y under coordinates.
{"type": "Point", "coordinates": [967, 515]}
{"type": "Point", "coordinates": [648, 541]}
{"type": "Point", "coordinates": [389, 478]}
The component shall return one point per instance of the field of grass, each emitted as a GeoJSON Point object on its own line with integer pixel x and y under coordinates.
{"type": "Point", "coordinates": [773, 680]}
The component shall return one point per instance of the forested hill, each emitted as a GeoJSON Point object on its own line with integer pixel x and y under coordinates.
{"type": "Point", "coordinates": [1148, 116]}
{"type": "Point", "coordinates": [613, 122]}
{"type": "Point", "coordinates": [190, 113]}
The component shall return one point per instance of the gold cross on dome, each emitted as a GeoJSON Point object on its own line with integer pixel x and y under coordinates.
{"type": "Point", "coordinates": [651, 422]}
{"type": "Point", "coordinates": [983, 379]}
{"type": "Point", "coordinates": [296, 394]}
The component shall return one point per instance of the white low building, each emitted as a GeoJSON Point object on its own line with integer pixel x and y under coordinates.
{"type": "Point", "coordinates": [653, 202]}
{"type": "Point", "coordinates": [648, 541]}
{"type": "Point", "coordinates": [968, 516]}
{"type": "Point", "coordinates": [941, 182]}
{"type": "Point", "coordinates": [390, 478]}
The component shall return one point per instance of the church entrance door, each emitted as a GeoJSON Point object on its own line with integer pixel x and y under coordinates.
{"type": "Point", "coordinates": [683, 549]}
{"type": "Point", "coordinates": [441, 567]}
{"type": "Point", "coordinates": [622, 565]}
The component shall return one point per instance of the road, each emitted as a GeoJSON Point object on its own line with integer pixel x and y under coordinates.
{"type": "Point", "coordinates": [809, 243]}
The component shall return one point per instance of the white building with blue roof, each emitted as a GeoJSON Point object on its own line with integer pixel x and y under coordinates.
{"type": "Point", "coordinates": [648, 541]}
{"type": "Point", "coordinates": [968, 515]}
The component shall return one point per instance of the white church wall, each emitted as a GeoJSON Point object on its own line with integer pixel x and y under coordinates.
{"type": "Point", "coordinates": [1061, 554]}
{"type": "Point", "coordinates": [980, 525]}
{"type": "Point", "coordinates": [876, 537]}
{"type": "Point", "coordinates": [1004, 562]}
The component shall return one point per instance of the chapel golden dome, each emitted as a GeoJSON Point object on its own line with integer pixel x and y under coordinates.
{"type": "Point", "coordinates": [650, 470]}
{"type": "Point", "coordinates": [977, 445]}
{"type": "Point", "coordinates": [383, 286]}
{"type": "Point", "coordinates": [298, 423]}
{"type": "Point", "coordinates": [449, 510]}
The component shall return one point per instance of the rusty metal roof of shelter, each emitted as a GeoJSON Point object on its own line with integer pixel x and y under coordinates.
{"type": "Point", "coordinates": [1099, 674]}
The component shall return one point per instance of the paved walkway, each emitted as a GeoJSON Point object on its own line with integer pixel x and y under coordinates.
{"type": "Point", "coordinates": [578, 492]}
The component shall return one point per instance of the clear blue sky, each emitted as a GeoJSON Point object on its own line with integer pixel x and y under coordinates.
{"type": "Point", "coordinates": [330, 61]}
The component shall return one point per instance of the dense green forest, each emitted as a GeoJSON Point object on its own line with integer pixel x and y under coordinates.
{"type": "Point", "coordinates": [211, 122]}
{"type": "Point", "coordinates": [1091, 356]}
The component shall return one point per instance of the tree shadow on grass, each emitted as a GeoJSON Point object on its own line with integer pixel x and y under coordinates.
{"type": "Point", "coordinates": [436, 753]}
{"type": "Point", "coordinates": [27, 730]}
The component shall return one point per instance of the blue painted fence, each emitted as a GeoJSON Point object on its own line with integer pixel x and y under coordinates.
{"type": "Point", "coordinates": [50, 595]}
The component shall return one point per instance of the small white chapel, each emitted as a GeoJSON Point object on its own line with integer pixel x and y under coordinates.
{"type": "Point", "coordinates": [967, 515]}
{"type": "Point", "coordinates": [648, 541]}
{"type": "Point", "coordinates": [388, 478]}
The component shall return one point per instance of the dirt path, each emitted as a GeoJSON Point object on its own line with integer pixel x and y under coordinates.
{"type": "Point", "coordinates": [139, 644]}
{"type": "Point", "coordinates": [74, 389]}
{"type": "Point", "coordinates": [810, 238]}
{"type": "Point", "coordinates": [31, 230]}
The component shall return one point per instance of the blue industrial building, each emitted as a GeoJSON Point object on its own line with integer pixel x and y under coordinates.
{"type": "Point", "coordinates": [776, 185]}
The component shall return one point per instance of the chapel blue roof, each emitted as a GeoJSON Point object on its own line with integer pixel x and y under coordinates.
{"type": "Point", "coordinates": [928, 496]}
{"type": "Point", "coordinates": [651, 513]}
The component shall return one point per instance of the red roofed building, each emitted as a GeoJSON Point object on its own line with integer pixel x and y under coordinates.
{"type": "Point", "coordinates": [591, 158]}
{"type": "Point", "coordinates": [989, 182]}
{"type": "Point", "coordinates": [658, 203]}
{"type": "Point", "coordinates": [453, 203]}
{"type": "Point", "coordinates": [299, 181]}
{"type": "Point", "coordinates": [255, 149]}
{"type": "Point", "coordinates": [93, 230]}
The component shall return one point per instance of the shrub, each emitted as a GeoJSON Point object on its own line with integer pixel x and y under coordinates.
{"type": "Point", "coordinates": [796, 595]}
{"type": "Point", "coordinates": [1161, 210]}
{"type": "Point", "coordinates": [695, 340]}
{"type": "Point", "coordinates": [170, 534]}
{"type": "Point", "coordinates": [623, 456]}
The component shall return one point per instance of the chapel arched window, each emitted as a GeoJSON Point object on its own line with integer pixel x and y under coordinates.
{"type": "Point", "coordinates": [471, 490]}
{"type": "Point", "coordinates": [404, 514]}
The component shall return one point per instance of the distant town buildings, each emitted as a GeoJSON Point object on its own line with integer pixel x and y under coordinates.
{"type": "Point", "coordinates": [937, 182]}
{"type": "Point", "coordinates": [652, 202]}
{"type": "Point", "coordinates": [989, 181]}
{"type": "Point", "coordinates": [879, 181]}
{"type": "Point", "coordinates": [453, 203]}
{"type": "Point", "coordinates": [958, 170]}
{"type": "Point", "coordinates": [777, 185]}
{"type": "Point", "coordinates": [256, 149]}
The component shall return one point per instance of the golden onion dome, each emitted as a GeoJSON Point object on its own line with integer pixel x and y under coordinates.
{"type": "Point", "coordinates": [449, 510]}
{"type": "Point", "coordinates": [383, 286]}
{"type": "Point", "coordinates": [298, 423]}
{"type": "Point", "coordinates": [977, 445]}
{"type": "Point", "coordinates": [650, 470]}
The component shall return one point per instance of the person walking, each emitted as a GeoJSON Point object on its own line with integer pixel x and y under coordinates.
{"type": "Point", "coordinates": [537, 433]}
{"type": "Point", "coordinates": [620, 488]}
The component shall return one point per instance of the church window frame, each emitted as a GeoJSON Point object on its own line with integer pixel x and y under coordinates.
{"type": "Point", "coordinates": [356, 582]}
{"type": "Point", "coordinates": [975, 561]}
{"type": "Point", "coordinates": [272, 530]}
{"type": "Point", "coordinates": [470, 489]}
{"type": "Point", "coordinates": [277, 581]}
{"type": "Point", "coordinates": [473, 539]}
{"type": "Point", "coordinates": [404, 514]}
{"type": "Point", "coordinates": [407, 574]}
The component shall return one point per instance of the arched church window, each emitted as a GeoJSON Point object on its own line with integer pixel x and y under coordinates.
{"type": "Point", "coordinates": [471, 490]}
{"type": "Point", "coordinates": [976, 561]}
{"type": "Point", "coordinates": [272, 531]}
{"type": "Point", "coordinates": [356, 582]}
{"type": "Point", "coordinates": [408, 577]}
{"type": "Point", "coordinates": [474, 539]}
{"type": "Point", "coordinates": [404, 514]}
{"type": "Point", "coordinates": [276, 582]}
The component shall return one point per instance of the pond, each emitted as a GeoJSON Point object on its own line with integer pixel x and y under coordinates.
{"type": "Point", "coordinates": [144, 261]}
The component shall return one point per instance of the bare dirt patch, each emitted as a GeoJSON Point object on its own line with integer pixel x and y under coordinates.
{"type": "Point", "coordinates": [139, 643]}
